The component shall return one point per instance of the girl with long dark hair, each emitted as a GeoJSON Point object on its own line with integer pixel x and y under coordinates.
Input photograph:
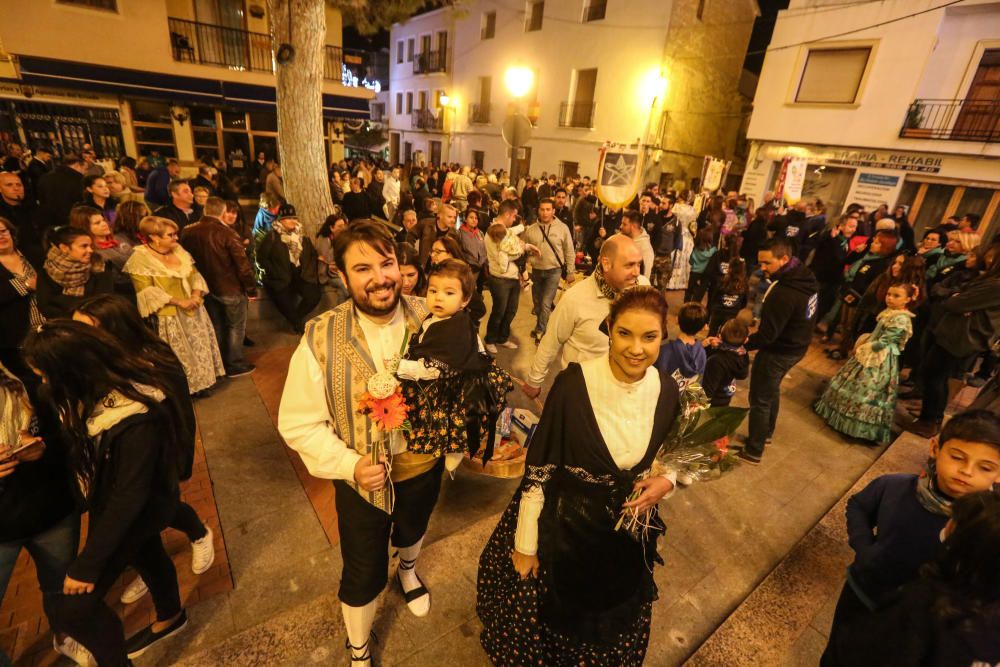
{"type": "Point", "coordinates": [120, 421]}
{"type": "Point", "coordinates": [121, 319]}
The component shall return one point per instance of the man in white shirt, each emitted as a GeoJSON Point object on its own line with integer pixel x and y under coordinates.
{"type": "Point", "coordinates": [574, 327]}
{"type": "Point", "coordinates": [318, 417]}
{"type": "Point", "coordinates": [390, 192]}
{"type": "Point", "coordinates": [505, 278]}
{"type": "Point", "coordinates": [632, 227]}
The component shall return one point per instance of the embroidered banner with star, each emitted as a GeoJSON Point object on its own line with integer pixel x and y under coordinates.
{"type": "Point", "coordinates": [619, 173]}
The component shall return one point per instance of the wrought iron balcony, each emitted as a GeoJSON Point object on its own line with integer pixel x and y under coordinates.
{"type": "Point", "coordinates": [423, 119]}
{"type": "Point", "coordinates": [430, 61]}
{"type": "Point", "coordinates": [208, 44]}
{"type": "Point", "coordinates": [955, 120]}
{"type": "Point", "coordinates": [479, 114]}
{"type": "Point", "coordinates": [577, 114]}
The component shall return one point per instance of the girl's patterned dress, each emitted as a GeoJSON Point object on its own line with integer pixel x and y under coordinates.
{"type": "Point", "coordinates": [861, 398]}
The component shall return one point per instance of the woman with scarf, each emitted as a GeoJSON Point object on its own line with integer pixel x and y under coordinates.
{"type": "Point", "coordinates": [114, 251]}
{"type": "Point", "coordinates": [169, 287]}
{"type": "Point", "coordinates": [290, 265]}
{"type": "Point", "coordinates": [72, 272]}
{"type": "Point", "coordinates": [567, 576]}
{"type": "Point", "coordinates": [120, 425]}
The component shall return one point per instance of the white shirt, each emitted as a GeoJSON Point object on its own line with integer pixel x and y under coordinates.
{"type": "Point", "coordinates": [574, 328]}
{"type": "Point", "coordinates": [499, 262]}
{"type": "Point", "coordinates": [648, 256]}
{"type": "Point", "coordinates": [304, 419]}
{"type": "Point", "coordinates": [390, 191]}
{"type": "Point", "coordinates": [624, 413]}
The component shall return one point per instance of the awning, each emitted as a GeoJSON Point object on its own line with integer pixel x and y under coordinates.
{"type": "Point", "coordinates": [176, 89]}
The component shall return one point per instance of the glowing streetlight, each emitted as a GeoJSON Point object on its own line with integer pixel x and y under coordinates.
{"type": "Point", "coordinates": [444, 99]}
{"type": "Point", "coordinates": [653, 87]}
{"type": "Point", "coordinates": [519, 80]}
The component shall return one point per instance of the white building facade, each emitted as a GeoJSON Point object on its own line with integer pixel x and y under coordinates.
{"type": "Point", "coordinates": [604, 70]}
{"type": "Point", "coordinates": [907, 112]}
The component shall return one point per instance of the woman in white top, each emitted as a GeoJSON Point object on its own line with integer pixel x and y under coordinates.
{"type": "Point", "coordinates": [558, 583]}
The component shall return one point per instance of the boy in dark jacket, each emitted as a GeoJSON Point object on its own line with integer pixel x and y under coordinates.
{"type": "Point", "coordinates": [727, 362]}
{"type": "Point", "coordinates": [894, 525]}
{"type": "Point", "coordinates": [788, 314]}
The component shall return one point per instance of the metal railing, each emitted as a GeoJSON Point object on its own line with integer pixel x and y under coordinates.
{"type": "Point", "coordinates": [208, 44]}
{"type": "Point", "coordinates": [955, 120]}
{"type": "Point", "coordinates": [423, 119]}
{"type": "Point", "coordinates": [479, 114]}
{"type": "Point", "coordinates": [577, 114]}
{"type": "Point", "coordinates": [430, 61]}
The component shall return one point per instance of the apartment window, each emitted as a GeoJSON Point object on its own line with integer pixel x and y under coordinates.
{"type": "Point", "coordinates": [833, 76]}
{"type": "Point", "coordinates": [488, 27]}
{"type": "Point", "coordinates": [533, 16]}
{"type": "Point", "coordinates": [578, 111]}
{"type": "Point", "coordinates": [568, 169]}
{"type": "Point", "coordinates": [478, 159]}
{"type": "Point", "coordinates": [378, 112]}
{"type": "Point", "coordinates": [409, 102]}
{"type": "Point", "coordinates": [409, 49]}
{"type": "Point", "coordinates": [594, 10]}
{"type": "Point", "coordinates": [700, 12]}
{"type": "Point", "coordinates": [443, 42]}
{"type": "Point", "coordinates": [110, 5]}
{"type": "Point", "coordinates": [399, 51]}
{"type": "Point", "coordinates": [399, 103]}
{"type": "Point", "coordinates": [423, 100]}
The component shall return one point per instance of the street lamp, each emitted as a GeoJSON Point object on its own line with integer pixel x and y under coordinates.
{"type": "Point", "coordinates": [518, 80]}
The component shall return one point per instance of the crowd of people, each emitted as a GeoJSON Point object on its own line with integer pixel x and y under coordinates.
{"type": "Point", "coordinates": [125, 298]}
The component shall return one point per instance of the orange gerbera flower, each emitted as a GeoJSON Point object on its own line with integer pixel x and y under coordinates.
{"type": "Point", "coordinates": [388, 413]}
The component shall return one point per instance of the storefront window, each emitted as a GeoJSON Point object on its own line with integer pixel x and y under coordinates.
{"type": "Point", "coordinates": [263, 121]}
{"type": "Point", "coordinates": [932, 208]}
{"type": "Point", "coordinates": [144, 111]}
{"type": "Point", "coordinates": [234, 120]}
{"type": "Point", "coordinates": [974, 200]}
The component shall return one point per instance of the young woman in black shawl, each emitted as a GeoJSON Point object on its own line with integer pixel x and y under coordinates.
{"type": "Point", "coordinates": [560, 581]}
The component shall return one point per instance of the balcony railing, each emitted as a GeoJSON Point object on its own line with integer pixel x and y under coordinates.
{"type": "Point", "coordinates": [955, 120]}
{"type": "Point", "coordinates": [430, 61]}
{"type": "Point", "coordinates": [208, 44]}
{"type": "Point", "coordinates": [479, 114]}
{"type": "Point", "coordinates": [577, 114]}
{"type": "Point", "coordinates": [423, 119]}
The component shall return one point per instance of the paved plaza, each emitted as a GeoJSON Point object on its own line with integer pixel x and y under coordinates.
{"type": "Point", "coordinates": [271, 599]}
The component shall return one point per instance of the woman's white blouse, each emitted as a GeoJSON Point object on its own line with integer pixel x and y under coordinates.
{"type": "Point", "coordinates": [624, 414]}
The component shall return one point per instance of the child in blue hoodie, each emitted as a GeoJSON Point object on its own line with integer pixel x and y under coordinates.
{"type": "Point", "coordinates": [684, 357]}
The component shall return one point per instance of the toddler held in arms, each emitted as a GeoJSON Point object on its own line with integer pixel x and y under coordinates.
{"type": "Point", "coordinates": [451, 385]}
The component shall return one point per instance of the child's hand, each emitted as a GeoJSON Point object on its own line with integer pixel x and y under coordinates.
{"type": "Point", "coordinates": [711, 341]}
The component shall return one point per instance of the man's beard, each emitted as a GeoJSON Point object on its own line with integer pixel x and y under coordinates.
{"type": "Point", "coordinates": [368, 308]}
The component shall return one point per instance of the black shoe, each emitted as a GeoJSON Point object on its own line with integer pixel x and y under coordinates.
{"type": "Point", "coordinates": [242, 369]}
{"type": "Point", "coordinates": [141, 641]}
{"type": "Point", "coordinates": [747, 457]}
{"type": "Point", "coordinates": [247, 342]}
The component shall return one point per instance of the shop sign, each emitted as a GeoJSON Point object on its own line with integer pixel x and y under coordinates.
{"type": "Point", "coordinates": [874, 159]}
{"type": "Point", "coordinates": [873, 190]}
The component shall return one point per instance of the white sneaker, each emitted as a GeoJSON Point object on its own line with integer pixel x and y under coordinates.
{"type": "Point", "coordinates": [75, 651]}
{"type": "Point", "coordinates": [134, 591]}
{"type": "Point", "coordinates": [509, 344]}
{"type": "Point", "coordinates": [491, 348]}
{"type": "Point", "coordinates": [202, 553]}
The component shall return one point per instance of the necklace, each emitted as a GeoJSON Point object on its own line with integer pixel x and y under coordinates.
{"type": "Point", "coordinates": [165, 254]}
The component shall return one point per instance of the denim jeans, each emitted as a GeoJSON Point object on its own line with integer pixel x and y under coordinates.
{"type": "Point", "coordinates": [229, 317]}
{"type": "Point", "coordinates": [544, 286]}
{"type": "Point", "coordinates": [506, 293]}
{"type": "Point", "coordinates": [769, 369]}
{"type": "Point", "coordinates": [52, 551]}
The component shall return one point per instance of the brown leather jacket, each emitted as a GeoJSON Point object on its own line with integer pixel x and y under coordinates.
{"type": "Point", "coordinates": [220, 257]}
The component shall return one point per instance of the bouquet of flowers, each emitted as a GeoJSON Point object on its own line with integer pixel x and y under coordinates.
{"type": "Point", "coordinates": [697, 447]}
{"type": "Point", "coordinates": [384, 404]}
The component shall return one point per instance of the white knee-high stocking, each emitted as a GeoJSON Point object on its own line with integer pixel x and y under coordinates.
{"type": "Point", "coordinates": [409, 581]}
{"type": "Point", "coordinates": [358, 621]}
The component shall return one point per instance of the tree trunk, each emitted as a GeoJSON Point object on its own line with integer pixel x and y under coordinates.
{"type": "Point", "coordinates": [300, 108]}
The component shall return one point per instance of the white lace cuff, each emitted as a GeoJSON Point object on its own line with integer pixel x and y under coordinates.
{"type": "Point", "coordinates": [526, 535]}
{"type": "Point", "coordinates": [151, 300]}
{"type": "Point", "coordinates": [410, 369]}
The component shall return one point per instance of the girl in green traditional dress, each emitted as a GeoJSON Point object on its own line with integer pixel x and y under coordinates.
{"type": "Point", "coordinates": [861, 398]}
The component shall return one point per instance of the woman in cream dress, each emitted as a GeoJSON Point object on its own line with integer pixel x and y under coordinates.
{"type": "Point", "coordinates": [169, 287]}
